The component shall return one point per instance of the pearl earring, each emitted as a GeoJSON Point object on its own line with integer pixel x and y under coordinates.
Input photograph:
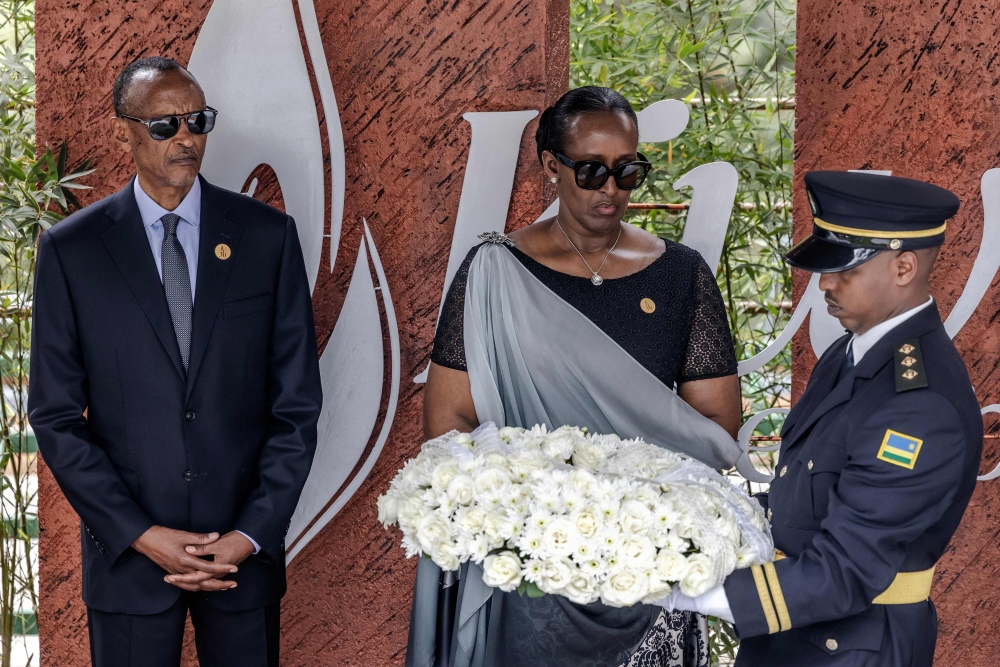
{"type": "Point", "coordinates": [553, 180]}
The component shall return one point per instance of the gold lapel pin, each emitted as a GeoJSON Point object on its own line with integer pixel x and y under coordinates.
{"type": "Point", "coordinates": [222, 251]}
{"type": "Point", "coordinates": [647, 305]}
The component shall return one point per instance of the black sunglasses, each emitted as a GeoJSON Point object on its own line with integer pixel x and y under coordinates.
{"type": "Point", "coordinates": [164, 127]}
{"type": "Point", "coordinates": [592, 174]}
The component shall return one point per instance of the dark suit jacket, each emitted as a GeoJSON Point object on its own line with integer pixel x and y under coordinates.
{"type": "Point", "coordinates": [851, 517]}
{"type": "Point", "coordinates": [227, 447]}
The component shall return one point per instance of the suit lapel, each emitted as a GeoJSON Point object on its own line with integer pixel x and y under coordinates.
{"type": "Point", "coordinates": [128, 245]}
{"type": "Point", "coordinates": [213, 273]}
{"type": "Point", "coordinates": [821, 388]}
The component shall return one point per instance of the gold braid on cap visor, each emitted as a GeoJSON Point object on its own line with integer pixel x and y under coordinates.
{"type": "Point", "coordinates": [879, 234]}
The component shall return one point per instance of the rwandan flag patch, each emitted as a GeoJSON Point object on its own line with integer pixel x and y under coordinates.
{"type": "Point", "coordinates": [900, 449]}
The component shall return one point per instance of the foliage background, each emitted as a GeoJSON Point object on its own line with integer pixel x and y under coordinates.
{"type": "Point", "coordinates": [35, 193]}
{"type": "Point", "coordinates": [733, 62]}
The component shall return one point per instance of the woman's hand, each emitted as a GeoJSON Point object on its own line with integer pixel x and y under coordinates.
{"type": "Point", "coordinates": [448, 402]}
{"type": "Point", "coordinates": [716, 398]}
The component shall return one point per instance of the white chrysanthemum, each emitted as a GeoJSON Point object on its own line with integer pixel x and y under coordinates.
{"type": "Point", "coordinates": [558, 444]}
{"type": "Point", "coordinates": [502, 571]}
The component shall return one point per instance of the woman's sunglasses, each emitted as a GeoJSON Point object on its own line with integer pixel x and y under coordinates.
{"type": "Point", "coordinates": [592, 175]}
{"type": "Point", "coordinates": [164, 127]}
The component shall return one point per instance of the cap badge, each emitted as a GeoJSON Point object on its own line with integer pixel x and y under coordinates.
{"type": "Point", "coordinates": [812, 202]}
{"type": "Point", "coordinates": [222, 251]}
{"type": "Point", "coordinates": [647, 305]}
{"type": "Point", "coordinates": [895, 243]}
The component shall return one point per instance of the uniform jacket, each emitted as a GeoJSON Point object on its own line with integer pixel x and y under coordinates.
{"type": "Point", "coordinates": [874, 473]}
{"type": "Point", "coordinates": [134, 443]}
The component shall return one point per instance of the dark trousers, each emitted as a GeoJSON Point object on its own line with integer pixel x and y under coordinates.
{"type": "Point", "coordinates": [223, 638]}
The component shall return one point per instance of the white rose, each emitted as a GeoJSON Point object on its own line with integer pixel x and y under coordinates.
{"type": "Point", "coordinates": [431, 529]}
{"type": "Point", "coordinates": [588, 454]}
{"type": "Point", "coordinates": [647, 495]}
{"type": "Point", "coordinates": [582, 588]}
{"type": "Point", "coordinates": [388, 510]}
{"type": "Point", "coordinates": [491, 480]}
{"type": "Point", "coordinates": [671, 565]}
{"type": "Point", "coordinates": [560, 537]}
{"type": "Point", "coordinates": [470, 519]}
{"type": "Point", "coordinates": [443, 474]}
{"type": "Point", "coordinates": [587, 522]}
{"type": "Point", "coordinates": [635, 517]}
{"type": "Point", "coordinates": [445, 554]}
{"type": "Point", "coordinates": [502, 571]}
{"type": "Point", "coordinates": [699, 578]}
{"type": "Point", "coordinates": [636, 552]}
{"type": "Point", "coordinates": [410, 512]}
{"type": "Point", "coordinates": [461, 489]}
{"type": "Point", "coordinates": [624, 587]}
{"type": "Point", "coordinates": [659, 588]}
{"type": "Point", "coordinates": [558, 445]}
{"type": "Point", "coordinates": [556, 574]}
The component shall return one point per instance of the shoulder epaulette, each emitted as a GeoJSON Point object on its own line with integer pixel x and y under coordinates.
{"type": "Point", "coordinates": [910, 373]}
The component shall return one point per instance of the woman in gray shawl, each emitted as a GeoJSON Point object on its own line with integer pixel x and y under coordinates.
{"type": "Point", "coordinates": [586, 321]}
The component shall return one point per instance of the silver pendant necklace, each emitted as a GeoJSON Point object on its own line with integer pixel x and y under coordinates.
{"type": "Point", "coordinates": [595, 279]}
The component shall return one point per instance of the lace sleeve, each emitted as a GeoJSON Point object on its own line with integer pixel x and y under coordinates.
{"type": "Point", "coordinates": [449, 341]}
{"type": "Point", "coordinates": [710, 351]}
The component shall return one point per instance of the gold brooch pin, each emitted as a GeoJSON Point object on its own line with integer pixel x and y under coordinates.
{"type": "Point", "coordinates": [647, 305]}
{"type": "Point", "coordinates": [222, 251]}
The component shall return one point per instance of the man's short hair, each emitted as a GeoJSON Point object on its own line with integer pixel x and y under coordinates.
{"type": "Point", "coordinates": [124, 81]}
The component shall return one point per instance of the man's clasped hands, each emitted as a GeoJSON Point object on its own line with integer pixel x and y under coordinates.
{"type": "Point", "coordinates": [195, 561]}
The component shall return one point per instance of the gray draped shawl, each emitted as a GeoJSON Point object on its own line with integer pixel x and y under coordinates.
{"type": "Point", "coordinates": [534, 359]}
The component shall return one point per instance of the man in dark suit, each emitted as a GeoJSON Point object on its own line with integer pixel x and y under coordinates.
{"type": "Point", "coordinates": [879, 456]}
{"type": "Point", "coordinates": [175, 390]}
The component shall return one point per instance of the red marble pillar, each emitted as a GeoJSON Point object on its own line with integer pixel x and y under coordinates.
{"type": "Point", "coordinates": [404, 73]}
{"type": "Point", "coordinates": [911, 86]}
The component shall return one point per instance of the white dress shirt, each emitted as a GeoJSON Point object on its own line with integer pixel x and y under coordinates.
{"type": "Point", "coordinates": [188, 230]}
{"type": "Point", "coordinates": [715, 602]}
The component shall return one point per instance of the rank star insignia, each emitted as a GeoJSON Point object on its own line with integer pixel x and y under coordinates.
{"type": "Point", "coordinates": [910, 374]}
{"type": "Point", "coordinates": [909, 361]}
{"type": "Point", "coordinates": [906, 349]}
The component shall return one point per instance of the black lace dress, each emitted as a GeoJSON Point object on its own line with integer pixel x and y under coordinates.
{"type": "Point", "coordinates": [670, 317]}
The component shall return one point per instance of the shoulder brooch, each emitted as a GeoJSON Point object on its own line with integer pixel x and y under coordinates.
{"type": "Point", "coordinates": [497, 238]}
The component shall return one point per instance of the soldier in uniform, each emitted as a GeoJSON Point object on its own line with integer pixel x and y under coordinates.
{"type": "Point", "coordinates": [878, 458]}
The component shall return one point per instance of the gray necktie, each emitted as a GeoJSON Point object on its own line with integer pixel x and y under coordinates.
{"type": "Point", "coordinates": [177, 284]}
